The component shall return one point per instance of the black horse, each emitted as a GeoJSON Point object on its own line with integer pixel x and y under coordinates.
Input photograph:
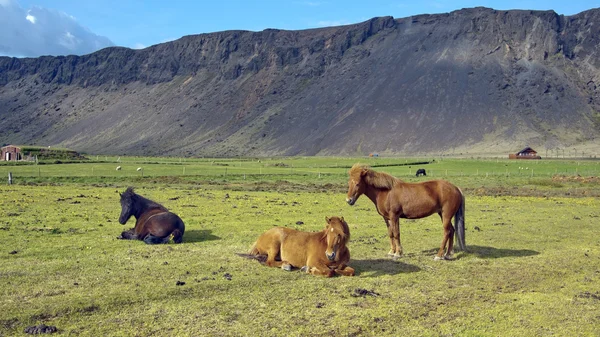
{"type": "Point", "coordinates": [155, 224]}
{"type": "Point", "coordinates": [421, 172]}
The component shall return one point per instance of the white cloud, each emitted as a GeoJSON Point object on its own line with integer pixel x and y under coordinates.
{"type": "Point", "coordinates": [332, 23]}
{"type": "Point", "coordinates": [310, 3]}
{"type": "Point", "coordinates": [139, 46]}
{"type": "Point", "coordinates": [30, 18]}
{"type": "Point", "coordinates": [41, 31]}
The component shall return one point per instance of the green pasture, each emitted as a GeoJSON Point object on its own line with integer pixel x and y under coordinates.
{"type": "Point", "coordinates": [532, 268]}
{"type": "Point", "coordinates": [304, 168]}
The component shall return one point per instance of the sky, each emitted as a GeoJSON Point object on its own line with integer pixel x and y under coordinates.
{"type": "Point", "coordinates": [31, 28]}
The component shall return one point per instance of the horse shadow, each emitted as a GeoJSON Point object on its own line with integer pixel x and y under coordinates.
{"type": "Point", "coordinates": [199, 235]}
{"type": "Point", "coordinates": [495, 253]}
{"type": "Point", "coordinates": [378, 267]}
{"type": "Point", "coordinates": [485, 252]}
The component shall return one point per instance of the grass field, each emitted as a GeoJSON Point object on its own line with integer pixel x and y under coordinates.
{"type": "Point", "coordinates": [532, 269]}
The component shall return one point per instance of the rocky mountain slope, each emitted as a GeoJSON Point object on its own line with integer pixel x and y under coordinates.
{"type": "Point", "coordinates": [472, 81]}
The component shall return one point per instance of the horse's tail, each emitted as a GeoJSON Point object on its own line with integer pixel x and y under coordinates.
{"type": "Point", "coordinates": [177, 235]}
{"type": "Point", "coordinates": [254, 254]}
{"type": "Point", "coordinates": [459, 220]}
{"type": "Point", "coordinates": [253, 250]}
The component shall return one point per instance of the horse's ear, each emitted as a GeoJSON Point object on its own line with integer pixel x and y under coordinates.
{"type": "Point", "coordinates": [363, 172]}
{"type": "Point", "coordinates": [328, 219]}
{"type": "Point", "coordinates": [342, 218]}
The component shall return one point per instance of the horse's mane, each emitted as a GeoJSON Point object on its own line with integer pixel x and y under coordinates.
{"type": "Point", "coordinates": [141, 202]}
{"type": "Point", "coordinates": [373, 178]}
{"type": "Point", "coordinates": [345, 232]}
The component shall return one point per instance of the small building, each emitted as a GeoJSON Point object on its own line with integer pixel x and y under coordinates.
{"type": "Point", "coordinates": [33, 153]}
{"type": "Point", "coordinates": [11, 153]}
{"type": "Point", "coordinates": [526, 153]}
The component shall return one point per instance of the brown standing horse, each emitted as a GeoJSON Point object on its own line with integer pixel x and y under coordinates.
{"type": "Point", "coordinates": [154, 223]}
{"type": "Point", "coordinates": [395, 199]}
{"type": "Point", "coordinates": [322, 253]}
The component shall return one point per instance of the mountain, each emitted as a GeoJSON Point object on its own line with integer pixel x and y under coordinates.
{"type": "Point", "coordinates": [476, 80]}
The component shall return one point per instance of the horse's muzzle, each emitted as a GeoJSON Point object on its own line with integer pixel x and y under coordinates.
{"type": "Point", "coordinates": [350, 201]}
{"type": "Point", "coordinates": [330, 257]}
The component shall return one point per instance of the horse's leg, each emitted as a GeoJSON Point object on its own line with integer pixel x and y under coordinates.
{"type": "Point", "coordinates": [344, 270]}
{"type": "Point", "coordinates": [395, 225]}
{"type": "Point", "coordinates": [391, 235]}
{"type": "Point", "coordinates": [448, 238]}
{"type": "Point", "coordinates": [320, 269]}
{"type": "Point", "coordinates": [151, 239]}
{"type": "Point", "coordinates": [272, 253]}
{"type": "Point", "coordinates": [128, 235]}
{"type": "Point", "coordinates": [450, 249]}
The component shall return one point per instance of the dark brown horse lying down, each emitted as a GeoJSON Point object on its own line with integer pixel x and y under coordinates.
{"type": "Point", "coordinates": [154, 223]}
{"type": "Point", "coordinates": [319, 253]}
{"type": "Point", "coordinates": [395, 199]}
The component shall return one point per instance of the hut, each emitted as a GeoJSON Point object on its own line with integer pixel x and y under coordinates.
{"type": "Point", "coordinates": [526, 153]}
{"type": "Point", "coordinates": [11, 153]}
{"type": "Point", "coordinates": [33, 153]}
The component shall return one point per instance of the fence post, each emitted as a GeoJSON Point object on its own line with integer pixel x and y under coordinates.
{"type": "Point", "coordinates": [10, 178]}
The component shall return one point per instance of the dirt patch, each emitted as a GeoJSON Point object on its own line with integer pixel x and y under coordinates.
{"type": "Point", "coordinates": [9, 323]}
{"type": "Point", "coordinates": [40, 329]}
{"type": "Point", "coordinates": [577, 178]}
{"type": "Point", "coordinates": [360, 292]}
{"type": "Point", "coordinates": [587, 294]}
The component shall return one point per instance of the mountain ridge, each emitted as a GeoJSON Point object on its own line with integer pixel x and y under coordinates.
{"type": "Point", "coordinates": [471, 80]}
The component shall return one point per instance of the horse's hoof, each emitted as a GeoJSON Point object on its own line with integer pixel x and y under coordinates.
{"type": "Point", "coordinates": [449, 257]}
{"type": "Point", "coordinates": [438, 258]}
{"type": "Point", "coordinates": [304, 269]}
{"type": "Point", "coordinates": [286, 267]}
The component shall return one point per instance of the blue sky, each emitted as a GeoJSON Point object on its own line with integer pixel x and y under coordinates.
{"type": "Point", "coordinates": [38, 27]}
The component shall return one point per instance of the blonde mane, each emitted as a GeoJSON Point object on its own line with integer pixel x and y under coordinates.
{"type": "Point", "coordinates": [376, 179]}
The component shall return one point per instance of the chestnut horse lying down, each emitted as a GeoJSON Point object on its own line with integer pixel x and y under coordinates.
{"type": "Point", "coordinates": [319, 253]}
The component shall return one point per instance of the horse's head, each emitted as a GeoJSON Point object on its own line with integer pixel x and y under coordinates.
{"type": "Point", "coordinates": [356, 183]}
{"type": "Point", "coordinates": [337, 235]}
{"type": "Point", "coordinates": [126, 205]}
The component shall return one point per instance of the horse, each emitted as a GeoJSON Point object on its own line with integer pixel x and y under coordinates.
{"type": "Point", "coordinates": [154, 223]}
{"type": "Point", "coordinates": [321, 253]}
{"type": "Point", "coordinates": [421, 172]}
{"type": "Point", "coordinates": [395, 199]}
